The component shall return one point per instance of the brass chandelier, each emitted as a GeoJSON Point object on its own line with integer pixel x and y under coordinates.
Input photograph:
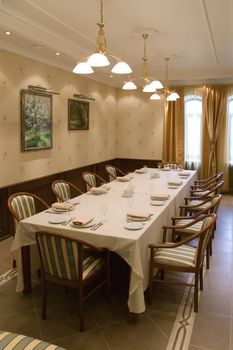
{"type": "Point", "coordinates": [150, 84]}
{"type": "Point", "coordinates": [101, 56]}
{"type": "Point", "coordinates": [170, 95]}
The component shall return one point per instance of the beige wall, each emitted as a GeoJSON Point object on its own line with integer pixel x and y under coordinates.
{"type": "Point", "coordinates": [122, 124]}
{"type": "Point", "coordinates": [71, 149]}
{"type": "Point", "coordinates": [139, 125]}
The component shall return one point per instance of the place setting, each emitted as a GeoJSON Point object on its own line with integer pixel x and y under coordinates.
{"type": "Point", "coordinates": [59, 208]}
{"type": "Point", "coordinates": [174, 184]}
{"type": "Point", "coordinates": [136, 220]}
{"type": "Point", "coordinates": [158, 199]}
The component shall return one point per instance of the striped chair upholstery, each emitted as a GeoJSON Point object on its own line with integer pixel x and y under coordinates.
{"type": "Point", "coordinates": [181, 256]}
{"type": "Point", "coordinates": [197, 226]}
{"type": "Point", "coordinates": [90, 180]}
{"type": "Point", "coordinates": [60, 258]}
{"type": "Point", "coordinates": [74, 264]}
{"type": "Point", "coordinates": [171, 166]}
{"type": "Point", "coordinates": [24, 206]}
{"type": "Point", "coordinates": [13, 341]}
{"type": "Point", "coordinates": [111, 172]}
{"type": "Point", "coordinates": [63, 190]}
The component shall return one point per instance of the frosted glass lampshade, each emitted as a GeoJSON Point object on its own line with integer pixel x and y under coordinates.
{"type": "Point", "coordinates": [156, 84]}
{"type": "Point", "coordinates": [149, 88]}
{"type": "Point", "coordinates": [83, 68]}
{"type": "Point", "coordinates": [155, 97]}
{"type": "Point", "coordinates": [129, 85]}
{"type": "Point", "coordinates": [175, 94]}
{"type": "Point", "coordinates": [172, 97]}
{"type": "Point", "coordinates": [121, 68]}
{"type": "Point", "coordinates": [98, 60]}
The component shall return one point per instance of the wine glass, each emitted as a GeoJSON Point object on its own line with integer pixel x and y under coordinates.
{"type": "Point", "coordinates": [130, 201]}
{"type": "Point", "coordinates": [159, 164]}
{"type": "Point", "coordinates": [103, 211]}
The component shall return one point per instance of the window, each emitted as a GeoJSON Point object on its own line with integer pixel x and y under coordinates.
{"type": "Point", "coordinates": [230, 129]}
{"type": "Point", "coordinates": [193, 119]}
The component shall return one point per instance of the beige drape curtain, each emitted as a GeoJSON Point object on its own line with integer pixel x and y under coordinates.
{"type": "Point", "coordinates": [173, 131]}
{"type": "Point", "coordinates": [214, 132]}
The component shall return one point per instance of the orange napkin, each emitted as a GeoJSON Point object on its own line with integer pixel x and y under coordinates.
{"type": "Point", "coordinates": [63, 206]}
{"type": "Point", "coordinates": [123, 178]}
{"type": "Point", "coordinates": [160, 197]}
{"type": "Point", "coordinates": [139, 215]}
{"type": "Point", "coordinates": [184, 173]}
{"type": "Point", "coordinates": [82, 221]}
{"type": "Point", "coordinates": [98, 190]}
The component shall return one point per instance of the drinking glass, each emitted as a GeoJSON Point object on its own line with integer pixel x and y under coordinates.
{"type": "Point", "coordinates": [159, 164]}
{"type": "Point", "coordinates": [103, 211]}
{"type": "Point", "coordinates": [130, 201]}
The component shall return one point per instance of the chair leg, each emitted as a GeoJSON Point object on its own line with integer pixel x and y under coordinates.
{"type": "Point", "coordinates": [108, 278]}
{"type": "Point", "coordinates": [81, 310]}
{"type": "Point", "coordinates": [162, 274]}
{"type": "Point", "coordinates": [44, 299]}
{"type": "Point", "coordinates": [207, 257]}
{"type": "Point", "coordinates": [196, 292]}
{"type": "Point", "coordinates": [14, 264]}
{"type": "Point", "coordinates": [201, 277]}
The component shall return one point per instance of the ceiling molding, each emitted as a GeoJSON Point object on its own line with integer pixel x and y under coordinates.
{"type": "Point", "coordinates": [205, 12]}
{"type": "Point", "coordinates": [20, 24]}
{"type": "Point", "coordinates": [58, 20]}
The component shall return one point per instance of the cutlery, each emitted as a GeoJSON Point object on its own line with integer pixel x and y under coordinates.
{"type": "Point", "coordinates": [66, 222]}
{"type": "Point", "coordinates": [96, 225]}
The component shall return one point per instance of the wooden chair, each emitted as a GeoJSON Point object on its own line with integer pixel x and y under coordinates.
{"type": "Point", "coordinates": [202, 194]}
{"type": "Point", "coordinates": [172, 165]}
{"type": "Point", "coordinates": [113, 172]}
{"type": "Point", "coordinates": [65, 261]}
{"type": "Point", "coordinates": [196, 210]}
{"type": "Point", "coordinates": [63, 190]}
{"type": "Point", "coordinates": [205, 183]}
{"type": "Point", "coordinates": [182, 257]}
{"type": "Point", "coordinates": [14, 341]}
{"type": "Point", "coordinates": [92, 180]}
{"type": "Point", "coordinates": [23, 205]}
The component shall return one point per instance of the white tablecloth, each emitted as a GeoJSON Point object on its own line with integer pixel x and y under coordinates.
{"type": "Point", "coordinates": [131, 245]}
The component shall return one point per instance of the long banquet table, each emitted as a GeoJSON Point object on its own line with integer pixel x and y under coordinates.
{"type": "Point", "coordinates": [131, 245]}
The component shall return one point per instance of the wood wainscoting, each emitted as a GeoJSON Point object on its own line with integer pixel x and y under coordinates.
{"type": "Point", "coordinates": [42, 186]}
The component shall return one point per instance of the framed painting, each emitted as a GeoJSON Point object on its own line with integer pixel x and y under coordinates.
{"type": "Point", "coordinates": [78, 115]}
{"type": "Point", "coordinates": [36, 120]}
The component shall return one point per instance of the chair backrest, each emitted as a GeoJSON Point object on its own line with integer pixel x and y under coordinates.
{"type": "Point", "coordinates": [89, 179]}
{"type": "Point", "coordinates": [59, 255]}
{"type": "Point", "coordinates": [23, 204]}
{"type": "Point", "coordinates": [111, 170]}
{"type": "Point", "coordinates": [172, 165]}
{"type": "Point", "coordinates": [61, 189]}
{"type": "Point", "coordinates": [205, 235]}
{"type": "Point", "coordinates": [213, 190]}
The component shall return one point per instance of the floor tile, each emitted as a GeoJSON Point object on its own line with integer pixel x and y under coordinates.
{"type": "Point", "coordinates": [89, 340]}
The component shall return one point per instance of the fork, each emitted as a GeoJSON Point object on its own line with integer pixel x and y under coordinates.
{"type": "Point", "coordinates": [96, 225]}
{"type": "Point", "coordinates": [67, 221]}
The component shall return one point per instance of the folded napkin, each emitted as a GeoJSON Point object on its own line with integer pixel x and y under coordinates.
{"type": "Point", "coordinates": [184, 173]}
{"type": "Point", "coordinates": [98, 190]}
{"type": "Point", "coordinates": [123, 178]}
{"type": "Point", "coordinates": [141, 171]}
{"type": "Point", "coordinates": [174, 182]}
{"type": "Point", "coordinates": [62, 206]}
{"type": "Point", "coordinates": [139, 215]}
{"type": "Point", "coordinates": [82, 221]}
{"type": "Point", "coordinates": [159, 197]}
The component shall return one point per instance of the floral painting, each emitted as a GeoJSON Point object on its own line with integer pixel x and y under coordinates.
{"type": "Point", "coordinates": [36, 120]}
{"type": "Point", "coordinates": [78, 115]}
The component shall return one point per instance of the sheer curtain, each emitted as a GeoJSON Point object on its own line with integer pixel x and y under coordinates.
{"type": "Point", "coordinates": [193, 127]}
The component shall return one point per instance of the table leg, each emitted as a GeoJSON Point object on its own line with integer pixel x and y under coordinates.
{"type": "Point", "coordinates": [132, 317]}
{"type": "Point", "coordinates": [26, 262]}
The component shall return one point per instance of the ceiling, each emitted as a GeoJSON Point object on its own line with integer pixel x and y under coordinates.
{"type": "Point", "coordinates": [196, 34]}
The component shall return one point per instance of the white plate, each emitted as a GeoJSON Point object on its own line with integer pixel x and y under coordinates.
{"type": "Point", "coordinates": [155, 202]}
{"type": "Point", "coordinates": [183, 176]}
{"type": "Point", "coordinates": [89, 224]}
{"type": "Point", "coordinates": [133, 225]}
{"type": "Point", "coordinates": [173, 186]}
{"type": "Point", "coordinates": [57, 220]}
{"type": "Point", "coordinates": [132, 218]}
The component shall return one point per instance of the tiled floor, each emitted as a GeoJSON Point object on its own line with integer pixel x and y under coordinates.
{"type": "Point", "coordinates": [106, 324]}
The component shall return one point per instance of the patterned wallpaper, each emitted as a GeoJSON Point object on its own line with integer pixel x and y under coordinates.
{"type": "Point", "coordinates": [121, 124]}
{"type": "Point", "coordinates": [139, 125]}
{"type": "Point", "coordinates": [71, 149]}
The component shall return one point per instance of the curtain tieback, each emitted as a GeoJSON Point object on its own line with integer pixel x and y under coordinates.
{"type": "Point", "coordinates": [212, 147]}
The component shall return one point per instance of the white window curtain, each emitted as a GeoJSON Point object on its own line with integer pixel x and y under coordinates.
{"type": "Point", "coordinates": [193, 128]}
{"type": "Point", "coordinates": [230, 128]}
